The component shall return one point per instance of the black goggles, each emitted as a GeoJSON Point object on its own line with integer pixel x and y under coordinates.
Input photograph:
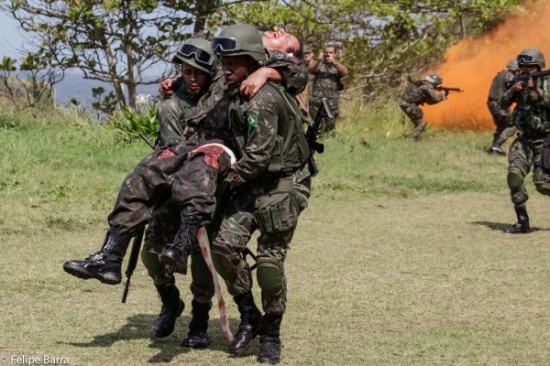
{"type": "Point", "coordinates": [231, 44]}
{"type": "Point", "coordinates": [523, 59]}
{"type": "Point", "coordinates": [201, 56]}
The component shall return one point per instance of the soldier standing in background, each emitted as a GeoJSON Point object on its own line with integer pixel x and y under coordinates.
{"type": "Point", "coordinates": [501, 113]}
{"type": "Point", "coordinates": [532, 146]}
{"type": "Point", "coordinates": [327, 83]}
{"type": "Point", "coordinates": [418, 93]}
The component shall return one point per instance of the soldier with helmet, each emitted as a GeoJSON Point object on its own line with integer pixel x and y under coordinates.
{"type": "Point", "coordinates": [531, 148]}
{"type": "Point", "coordinates": [151, 182]}
{"type": "Point", "coordinates": [272, 152]}
{"type": "Point", "coordinates": [416, 94]}
{"type": "Point", "coordinates": [197, 64]}
{"type": "Point", "coordinates": [501, 113]}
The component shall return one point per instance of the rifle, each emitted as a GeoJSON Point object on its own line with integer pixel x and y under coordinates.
{"type": "Point", "coordinates": [311, 135]}
{"type": "Point", "coordinates": [524, 78]}
{"type": "Point", "coordinates": [448, 89]}
{"type": "Point", "coordinates": [146, 140]}
{"type": "Point", "coordinates": [132, 260]}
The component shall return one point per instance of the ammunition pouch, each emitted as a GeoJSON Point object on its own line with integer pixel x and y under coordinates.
{"type": "Point", "coordinates": [277, 209]}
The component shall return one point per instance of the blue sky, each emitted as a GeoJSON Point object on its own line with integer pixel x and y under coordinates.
{"type": "Point", "coordinates": [11, 38]}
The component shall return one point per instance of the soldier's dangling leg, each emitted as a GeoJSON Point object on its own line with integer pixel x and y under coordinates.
{"type": "Point", "coordinates": [520, 161]}
{"type": "Point", "coordinates": [195, 189]}
{"type": "Point", "coordinates": [145, 188]}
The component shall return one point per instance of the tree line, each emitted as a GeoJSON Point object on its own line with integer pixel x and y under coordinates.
{"type": "Point", "coordinates": [119, 42]}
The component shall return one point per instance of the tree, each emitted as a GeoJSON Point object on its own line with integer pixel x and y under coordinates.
{"type": "Point", "coordinates": [119, 42]}
{"type": "Point", "coordinates": [383, 41]}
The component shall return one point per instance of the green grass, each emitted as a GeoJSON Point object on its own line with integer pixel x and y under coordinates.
{"type": "Point", "coordinates": [399, 260]}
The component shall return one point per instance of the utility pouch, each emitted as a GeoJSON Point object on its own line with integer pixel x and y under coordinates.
{"type": "Point", "coordinates": [545, 155]}
{"type": "Point", "coordinates": [277, 210]}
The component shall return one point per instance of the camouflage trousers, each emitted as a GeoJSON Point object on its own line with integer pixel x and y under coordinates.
{"type": "Point", "coordinates": [523, 155]}
{"type": "Point", "coordinates": [239, 221]}
{"type": "Point", "coordinates": [185, 174]}
{"type": "Point", "coordinates": [501, 118]}
{"type": "Point", "coordinates": [414, 113]}
{"type": "Point", "coordinates": [160, 232]}
{"type": "Point", "coordinates": [327, 124]}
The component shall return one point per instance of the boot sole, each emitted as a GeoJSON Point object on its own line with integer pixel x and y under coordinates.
{"type": "Point", "coordinates": [85, 275]}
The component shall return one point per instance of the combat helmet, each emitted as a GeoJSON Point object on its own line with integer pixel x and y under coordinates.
{"type": "Point", "coordinates": [531, 56]}
{"type": "Point", "coordinates": [512, 65]}
{"type": "Point", "coordinates": [197, 53]}
{"type": "Point", "coordinates": [239, 40]}
{"type": "Point", "coordinates": [434, 79]}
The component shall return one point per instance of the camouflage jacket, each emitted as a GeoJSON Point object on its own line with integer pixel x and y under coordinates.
{"type": "Point", "coordinates": [294, 74]}
{"type": "Point", "coordinates": [420, 92]}
{"type": "Point", "coordinates": [498, 85]}
{"type": "Point", "coordinates": [327, 81]}
{"type": "Point", "coordinates": [172, 114]}
{"type": "Point", "coordinates": [531, 115]}
{"type": "Point", "coordinates": [268, 129]}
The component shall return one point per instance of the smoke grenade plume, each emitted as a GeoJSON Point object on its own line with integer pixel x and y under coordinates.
{"type": "Point", "coordinates": [472, 64]}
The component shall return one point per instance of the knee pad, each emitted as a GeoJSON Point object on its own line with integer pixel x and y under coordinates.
{"type": "Point", "coordinates": [515, 180]}
{"type": "Point", "coordinates": [270, 276]}
{"type": "Point", "coordinates": [202, 284]}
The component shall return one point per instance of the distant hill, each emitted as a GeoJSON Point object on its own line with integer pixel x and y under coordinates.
{"type": "Point", "coordinates": [74, 86]}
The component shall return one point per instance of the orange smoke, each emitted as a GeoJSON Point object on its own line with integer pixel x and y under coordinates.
{"type": "Point", "coordinates": [472, 64]}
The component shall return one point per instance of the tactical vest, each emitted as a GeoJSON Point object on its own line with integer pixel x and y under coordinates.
{"type": "Point", "coordinates": [530, 116]}
{"type": "Point", "coordinates": [291, 149]}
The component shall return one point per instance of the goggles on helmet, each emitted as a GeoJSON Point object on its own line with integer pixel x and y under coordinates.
{"type": "Point", "coordinates": [231, 44]}
{"type": "Point", "coordinates": [522, 59]}
{"type": "Point", "coordinates": [201, 56]}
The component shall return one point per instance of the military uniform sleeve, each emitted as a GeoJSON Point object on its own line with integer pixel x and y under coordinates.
{"type": "Point", "coordinates": [261, 118]}
{"type": "Point", "coordinates": [432, 97]}
{"type": "Point", "coordinates": [293, 71]}
{"type": "Point", "coordinates": [545, 86]}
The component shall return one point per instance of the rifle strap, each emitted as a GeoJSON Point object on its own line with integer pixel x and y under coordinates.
{"type": "Point", "coordinates": [205, 250]}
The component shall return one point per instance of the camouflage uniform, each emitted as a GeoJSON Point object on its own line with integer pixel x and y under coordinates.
{"type": "Point", "coordinates": [172, 114]}
{"type": "Point", "coordinates": [531, 148]}
{"type": "Point", "coordinates": [327, 84]}
{"type": "Point", "coordinates": [532, 119]}
{"type": "Point", "coordinates": [500, 113]}
{"type": "Point", "coordinates": [417, 94]}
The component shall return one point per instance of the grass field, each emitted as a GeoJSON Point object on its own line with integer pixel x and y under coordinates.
{"type": "Point", "coordinates": [399, 260]}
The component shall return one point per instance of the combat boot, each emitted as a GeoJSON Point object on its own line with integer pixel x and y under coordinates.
{"type": "Point", "coordinates": [172, 307]}
{"type": "Point", "coordinates": [105, 264]}
{"type": "Point", "coordinates": [522, 225]}
{"type": "Point", "coordinates": [496, 148]}
{"type": "Point", "coordinates": [198, 336]}
{"type": "Point", "coordinates": [251, 319]}
{"type": "Point", "coordinates": [175, 255]}
{"type": "Point", "coordinates": [270, 341]}
{"type": "Point", "coordinates": [420, 127]}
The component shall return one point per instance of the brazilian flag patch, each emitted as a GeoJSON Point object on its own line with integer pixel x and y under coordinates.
{"type": "Point", "coordinates": [252, 121]}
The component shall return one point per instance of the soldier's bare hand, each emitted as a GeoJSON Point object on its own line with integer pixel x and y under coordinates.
{"type": "Point", "coordinates": [254, 82]}
{"type": "Point", "coordinates": [165, 89]}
